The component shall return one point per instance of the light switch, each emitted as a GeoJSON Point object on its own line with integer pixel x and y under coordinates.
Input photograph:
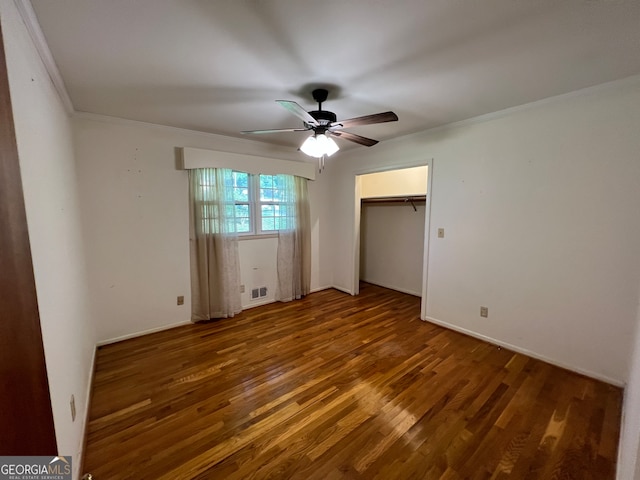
{"type": "Point", "coordinates": [441, 233]}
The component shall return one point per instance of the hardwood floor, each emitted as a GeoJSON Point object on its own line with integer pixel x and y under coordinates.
{"type": "Point", "coordinates": [336, 387]}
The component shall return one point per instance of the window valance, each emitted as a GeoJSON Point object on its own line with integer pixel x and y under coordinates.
{"type": "Point", "coordinates": [202, 158]}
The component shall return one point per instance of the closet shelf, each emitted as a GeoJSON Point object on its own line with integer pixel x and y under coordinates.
{"type": "Point", "coordinates": [410, 200]}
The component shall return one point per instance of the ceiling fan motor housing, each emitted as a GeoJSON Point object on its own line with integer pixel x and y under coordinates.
{"type": "Point", "coordinates": [323, 117]}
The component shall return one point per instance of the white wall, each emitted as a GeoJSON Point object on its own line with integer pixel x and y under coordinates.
{"type": "Point", "coordinates": [393, 183]}
{"type": "Point", "coordinates": [540, 210]}
{"type": "Point", "coordinates": [45, 148]}
{"type": "Point", "coordinates": [392, 245]}
{"type": "Point", "coordinates": [258, 269]}
{"type": "Point", "coordinates": [135, 217]}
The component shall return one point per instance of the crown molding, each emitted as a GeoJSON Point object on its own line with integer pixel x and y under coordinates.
{"type": "Point", "coordinates": [35, 32]}
{"type": "Point", "coordinates": [630, 81]}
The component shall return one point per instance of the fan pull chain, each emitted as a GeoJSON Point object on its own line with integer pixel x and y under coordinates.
{"type": "Point", "coordinates": [321, 163]}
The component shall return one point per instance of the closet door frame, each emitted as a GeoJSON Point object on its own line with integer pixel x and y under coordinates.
{"type": "Point", "coordinates": [355, 286]}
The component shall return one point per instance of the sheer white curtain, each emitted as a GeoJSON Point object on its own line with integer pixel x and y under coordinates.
{"type": "Point", "coordinates": [294, 242]}
{"type": "Point", "coordinates": [215, 270]}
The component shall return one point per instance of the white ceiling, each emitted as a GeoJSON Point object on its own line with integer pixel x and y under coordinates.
{"type": "Point", "coordinates": [218, 66]}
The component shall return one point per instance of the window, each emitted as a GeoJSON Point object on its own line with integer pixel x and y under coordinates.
{"type": "Point", "coordinates": [263, 204]}
{"type": "Point", "coordinates": [242, 201]}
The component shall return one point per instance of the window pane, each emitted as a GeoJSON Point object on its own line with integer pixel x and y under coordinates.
{"type": "Point", "coordinates": [266, 194]}
{"type": "Point", "coordinates": [267, 210]}
{"type": "Point", "coordinates": [268, 224]}
{"type": "Point", "coordinates": [241, 194]}
{"type": "Point", "coordinates": [240, 179]}
{"type": "Point", "coordinates": [278, 195]}
{"type": "Point", "coordinates": [243, 225]}
{"type": "Point", "coordinates": [285, 223]}
{"type": "Point", "coordinates": [242, 210]}
{"type": "Point", "coordinates": [266, 181]}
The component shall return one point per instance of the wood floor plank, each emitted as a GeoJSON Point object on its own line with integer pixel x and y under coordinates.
{"type": "Point", "coordinates": [336, 387]}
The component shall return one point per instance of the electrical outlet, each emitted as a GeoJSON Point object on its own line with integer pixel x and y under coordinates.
{"type": "Point", "coordinates": [241, 288]}
{"type": "Point", "coordinates": [72, 404]}
{"type": "Point", "coordinates": [441, 233]}
{"type": "Point", "coordinates": [180, 300]}
{"type": "Point", "coordinates": [484, 312]}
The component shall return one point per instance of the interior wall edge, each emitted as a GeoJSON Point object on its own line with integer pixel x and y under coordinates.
{"type": "Point", "coordinates": [629, 443]}
{"type": "Point", "coordinates": [109, 341]}
{"type": "Point", "coordinates": [343, 289]}
{"type": "Point", "coordinates": [30, 20]}
{"type": "Point", "coordinates": [621, 459]}
{"type": "Point", "coordinates": [616, 382]}
{"type": "Point", "coordinates": [87, 411]}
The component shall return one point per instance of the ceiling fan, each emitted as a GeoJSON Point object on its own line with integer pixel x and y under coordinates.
{"type": "Point", "coordinates": [323, 123]}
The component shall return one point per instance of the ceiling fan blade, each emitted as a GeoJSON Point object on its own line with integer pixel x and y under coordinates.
{"type": "Point", "coordinates": [366, 120]}
{"type": "Point", "coordinates": [278, 130]}
{"type": "Point", "coordinates": [367, 142]}
{"type": "Point", "coordinates": [298, 111]}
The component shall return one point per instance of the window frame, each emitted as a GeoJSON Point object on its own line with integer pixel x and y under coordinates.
{"type": "Point", "coordinates": [255, 208]}
{"type": "Point", "coordinates": [249, 204]}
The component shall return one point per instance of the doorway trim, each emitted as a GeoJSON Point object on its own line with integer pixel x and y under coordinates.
{"type": "Point", "coordinates": [355, 284]}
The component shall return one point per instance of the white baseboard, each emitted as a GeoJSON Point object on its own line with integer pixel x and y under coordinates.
{"type": "Point", "coordinates": [258, 303]}
{"type": "Point", "coordinates": [187, 322]}
{"type": "Point", "coordinates": [272, 300]}
{"type": "Point", "coordinates": [342, 289]}
{"type": "Point", "coordinates": [319, 289]}
{"type": "Point", "coordinates": [529, 353]}
{"type": "Point", "coordinates": [393, 287]}
{"type": "Point", "coordinates": [141, 333]}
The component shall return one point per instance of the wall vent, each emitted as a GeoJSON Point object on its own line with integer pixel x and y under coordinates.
{"type": "Point", "coordinates": [259, 292]}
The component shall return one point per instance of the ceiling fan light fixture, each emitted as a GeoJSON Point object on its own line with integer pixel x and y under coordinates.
{"type": "Point", "coordinates": [319, 145]}
{"type": "Point", "coordinates": [327, 144]}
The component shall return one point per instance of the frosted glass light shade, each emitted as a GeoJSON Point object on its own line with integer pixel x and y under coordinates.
{"type": "Point", "coordinates": [319, 145]}
{"type": "Point", "coordinates": [328, 145]}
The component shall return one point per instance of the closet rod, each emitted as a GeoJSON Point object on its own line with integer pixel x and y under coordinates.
{"type": "Point", "coordinates": [413, 199]}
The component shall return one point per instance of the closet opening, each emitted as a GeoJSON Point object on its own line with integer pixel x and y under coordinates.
{"type": "Point", "coordinates": [392, 230]}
